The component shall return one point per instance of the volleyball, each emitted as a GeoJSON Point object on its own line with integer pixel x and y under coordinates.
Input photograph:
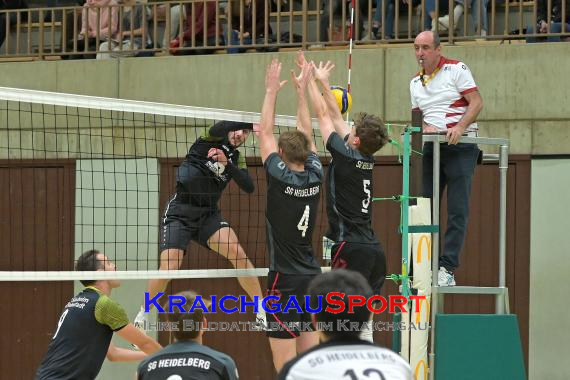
{"type": "Point", "coordinates": [343, 98]}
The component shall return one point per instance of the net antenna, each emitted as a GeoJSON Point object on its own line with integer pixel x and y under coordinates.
{"type": "Point", "coordinates": [350, 39]}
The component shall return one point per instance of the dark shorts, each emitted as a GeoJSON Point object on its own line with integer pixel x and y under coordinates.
{"type": "Point", "coordinates": [365, 258]}
{"type": "Point", "coordinates": [288, 325]}
{"type": "Point", "coordinates": [182, 224]}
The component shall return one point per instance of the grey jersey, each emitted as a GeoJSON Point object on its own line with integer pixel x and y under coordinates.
{"type": "Point", "coordinates": [347, 359]}
{"type": "Point", "coordinates": [188, 360]}
{"type": "Point", "coordinates": [292, 202]}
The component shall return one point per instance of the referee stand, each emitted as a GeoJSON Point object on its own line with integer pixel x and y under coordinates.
{"type": "Point", "coordinates": [462, 346]}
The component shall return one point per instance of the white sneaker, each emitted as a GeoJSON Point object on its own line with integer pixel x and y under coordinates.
{"type": "Point", "coordinates": [443, 23]}
{"type": "Point", "coordinates": [261, 321]}
{"type": "Point", "coordinates": [445, 278]}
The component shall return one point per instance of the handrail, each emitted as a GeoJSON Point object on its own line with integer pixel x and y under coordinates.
{"type": "Point", "coordinates": [29, 34]}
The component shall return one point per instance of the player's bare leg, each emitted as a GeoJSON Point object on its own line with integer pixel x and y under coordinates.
{"type": "Point", "coordinates": [170, 259]}
{"type": "Point", "coordinates": [225, 242]}
{"type": "Point", "coordinates": [283, 350]}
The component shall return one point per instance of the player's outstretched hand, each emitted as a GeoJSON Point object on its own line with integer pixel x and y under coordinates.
{"type": "Point", "coordinates": [273, 82]}
{"type": "Point", "coordinates": [323, 71]}
{"type": "Point", "coordinates": [302, 80]}
{"type": "Point", "coordinates": [300, 60]}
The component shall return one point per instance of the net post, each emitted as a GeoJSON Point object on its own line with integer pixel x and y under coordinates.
{"type": "Point", "coordinates": [416, 159]}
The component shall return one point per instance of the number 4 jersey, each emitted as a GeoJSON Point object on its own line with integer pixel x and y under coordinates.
{"type": "Point", "coordinates": [292, 202]}
{"type": "Point", "coordinates": [350, 359]}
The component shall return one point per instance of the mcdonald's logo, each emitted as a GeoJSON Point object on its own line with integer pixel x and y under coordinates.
{"type": "Point", "coordinates": [428, 245]}
{"type": "Point", "coordinates": [423, 364]}
{"type": "Point", "coordinates": [418, 312]}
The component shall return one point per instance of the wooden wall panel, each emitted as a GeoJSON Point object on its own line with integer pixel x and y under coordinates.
{"type": "Point", "coordinates": [36, 234]}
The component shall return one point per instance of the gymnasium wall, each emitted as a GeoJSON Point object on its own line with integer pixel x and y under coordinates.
{"type": "Point", "coordinates": [113, 207]}
{"type": "Point", "coordinates": [549, 265]}
{"type": "Point", "coordinates": [523, 86]}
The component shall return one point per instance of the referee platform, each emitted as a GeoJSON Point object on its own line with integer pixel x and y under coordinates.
{"type": "Point", "coordinates": [462, 346]}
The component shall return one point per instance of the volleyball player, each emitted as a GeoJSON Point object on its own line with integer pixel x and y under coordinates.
{"type": "Point", "coordinates": [82, 339]}
{"type": "Point", "coordinates": [342, 353]}
{"type": "Point", "coordinates": [294, 176]}
{"type": "Point", "coordinates": [193, 214]}
{"type": "Point", "coordinates": [350, 186]}
{"type": "Point", "coordinates": [188, 357]}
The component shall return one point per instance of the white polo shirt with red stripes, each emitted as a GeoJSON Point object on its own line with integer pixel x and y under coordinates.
{"type": "Point", "coordinates": [440, 97]}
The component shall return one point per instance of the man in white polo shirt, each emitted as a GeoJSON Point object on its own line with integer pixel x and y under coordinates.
{"type": "Point", "coordinates": [446, 93]}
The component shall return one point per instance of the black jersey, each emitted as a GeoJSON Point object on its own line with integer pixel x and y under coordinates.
{"type": "Point", "coordinates": [199, 181]}
{"type": "Point", "coordinates": [347, 359]}
{"type": "Point", "coordinates": [292, 202]}
{"type": "Point", "coordinates": [349, 192]}
{"type": "Point", "coordinates": [81, 340]}
{"type": "Point", "coordinates": [188, 360]}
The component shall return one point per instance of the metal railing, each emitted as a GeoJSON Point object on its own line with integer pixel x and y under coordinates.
{"type": "Point", "coordinates": [271, 24]}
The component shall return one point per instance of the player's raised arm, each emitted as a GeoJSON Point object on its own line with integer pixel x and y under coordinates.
{"type": "Point", "coordinates": [322, 74]}
{"type": "Point", "coordinates": [222, 128]}
{"type": "Point", "coordinates": [321, 110]}
{"type": "Point", "coordinates": [273, 84]}
{"type": "Point", "coordinates": [303, 116]}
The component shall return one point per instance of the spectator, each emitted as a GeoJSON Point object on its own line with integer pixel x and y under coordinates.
{"type": "Point", "coordinates": [388, 18]}
{"type": "Point", "coordinates": [446, 93]}
{"type": "Point", "coordinates": [336, 7]}
{"type": "Point", "coordinates": [333, 6]}
{"type": "Point", "coordinates": [253, 28]}
{"type": "Point", "coordinates": [478, 16]}
{"type": "Point", "coordinates": [104, 11]}
{"type": "Point", "coordinates": [363, 359]}
{"type": "Point", "coordinates": [175, 15]}
{"type": "Point", "coordinates": [188, 348]}
{"type": "Point", "coordinates": [130, 38]}
{"type": "Point", "coordinates": [555, 21]}
{"type": "Point", "coordinates": [10, 4]}
{"type": "Point", "coordinates": [59, 3]}
{"type": "Point", "coordinates": [195, 27]}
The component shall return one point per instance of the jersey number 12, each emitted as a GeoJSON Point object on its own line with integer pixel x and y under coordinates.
{"type": "Point", "coordinates": [303, 224]}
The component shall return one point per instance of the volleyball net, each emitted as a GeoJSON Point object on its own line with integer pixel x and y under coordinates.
{"type": "Point", "coordinates": [82, 172]}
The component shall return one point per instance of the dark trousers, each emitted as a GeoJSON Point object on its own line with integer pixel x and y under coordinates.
{"type": "Point", "coordinates": [91, 48]}
{"type": "Point", "coordinates": [199, 42]}
{"type": "Point", "coordinates": [457, 163]}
